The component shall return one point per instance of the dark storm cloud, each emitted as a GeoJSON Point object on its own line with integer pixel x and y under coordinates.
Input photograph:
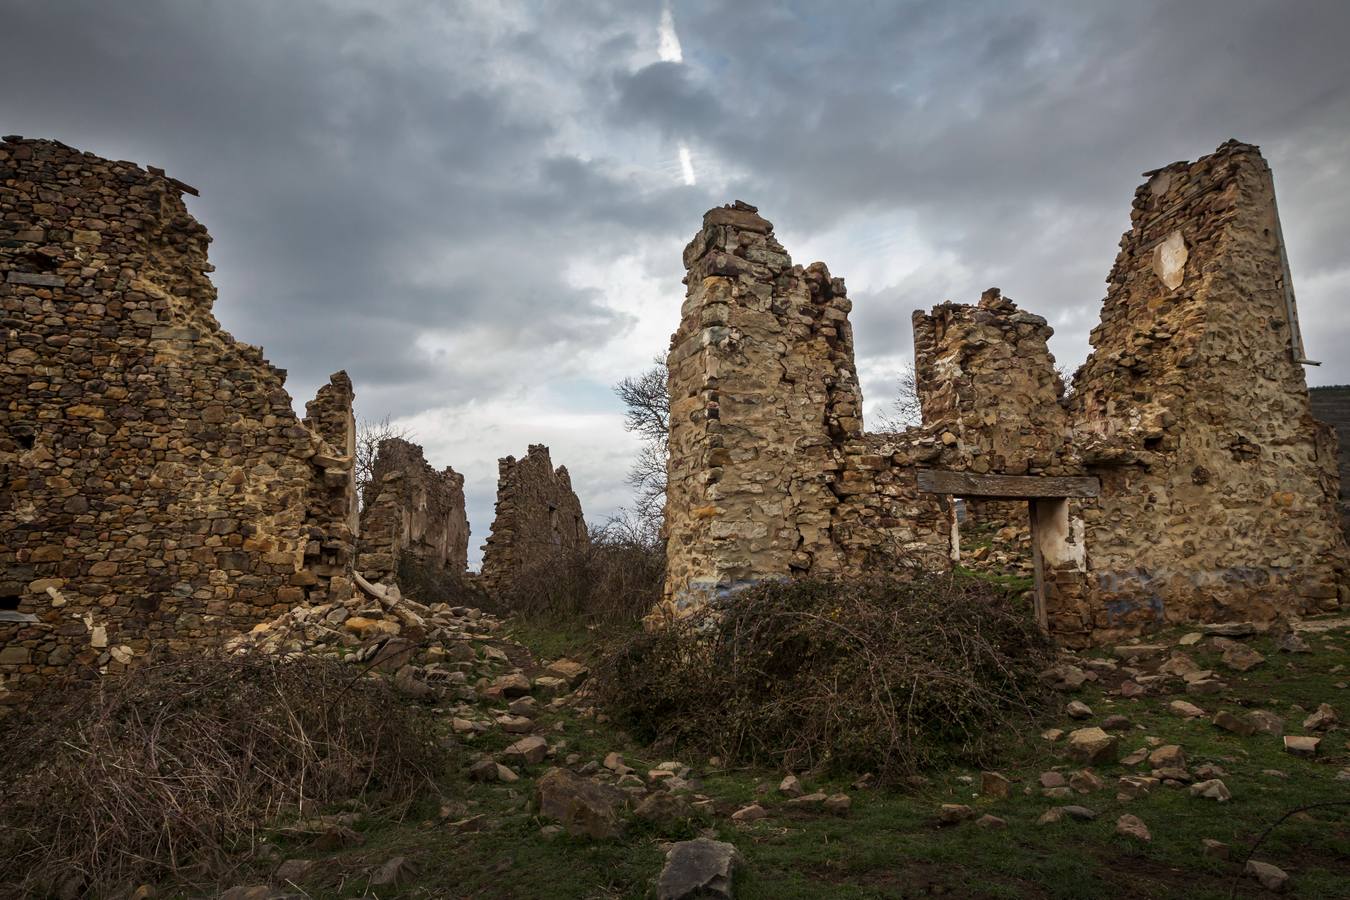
{"type": "Point", "coordinates": [407, 189]}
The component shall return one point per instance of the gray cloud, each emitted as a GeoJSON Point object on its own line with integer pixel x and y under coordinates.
{"type": "Point", "coordinates": [478, 209]}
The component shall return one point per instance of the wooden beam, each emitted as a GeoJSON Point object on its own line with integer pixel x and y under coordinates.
{"type": "Point", "coordinates": [968, 484]}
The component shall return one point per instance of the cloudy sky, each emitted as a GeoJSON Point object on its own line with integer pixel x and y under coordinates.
{"type": "Point", "coordinates": [477, 208]}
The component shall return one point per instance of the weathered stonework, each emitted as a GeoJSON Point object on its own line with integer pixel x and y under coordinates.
{"type": "Point", "coordinates": [769, 472]}
{"type": "Point", "coordinates": [1332, 405]}
{"type": "Point", "coordinates": [156, 487]}
{"type": "Point", "coordinates": [1184, 479]}
{"type": "Point", "coordinates": [412, 511]}
{"type": "Point", "coordinates": [537, 515]}
{"type": "Point", "coordinates": [1218, 486]}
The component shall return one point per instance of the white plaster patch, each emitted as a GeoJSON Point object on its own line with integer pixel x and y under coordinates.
{"type": "Point", "coordinates": [1169, 260]}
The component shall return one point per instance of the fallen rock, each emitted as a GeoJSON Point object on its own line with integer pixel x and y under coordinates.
{"type": "Point", "coordinates": [583, 807]}
{"type": "Point", "coordinates": [1129, 689]}
{"type": "Point", "coordinates": [791, 786]}
{"type": "Point", "coordinates": [1185, 710]}
{"type": "Point", "coordinates": [701, 869]}
{"type": "Point", "coordinates": [1321, 719]}
{"type": "Point", "coordinates": [395, 871]}
{"type": "Point", "coordinates": [807, 801]}
{"type": "Point", "coordinates": [992, 784]}
{"type": "Point", "coordinates": [991, 822]}
{"type": "Point", "coordinates": [1241, 658]}
{"type": "Point", "coordinates": [513, 685]}
{"type": "Point", "coordinates": [662, 808]}
{"type": "Point", "coordinates": [1300, 745]}
{"type": "Point", "coordinates": [1190, 639]}
{"type": "Point", "coordinates": [1266, 722]}
{"type": "Point", "coordinates": [1212, 849]}
{"type": "Point", "coordinates": [1086, 781]}
{"type": "Point", "coordinates": [1292, 642]}
{"type": "Point", "coordinates": [1077, 709]}
{"type": "Point", "coordinates": [838, 804]}
{"type": "Point", "coordinates": [1052, 780]}
{"type": "Point", "coordinates": [1133, 827]}
{"type": "Point", "coordinates": [953, 813]}
{"type": "Point", "coordinates": [1131, 787]}
{"type": "Point", "coordinates": [293, 870]}
{"type": "Point", "coordinates": [1081, 813]}
{"type": "Point", "coordinates": [1236, 724]}
{"type": "Point", "coordinates": [571, 671]}
{"type": "Point", "coordinates": [484, 770]}
{"type": "Point", "coordinates": [515, 724]}
{"type": "Point", "coordinates": [1167, 756]}
{"type": "Point", "coordinates": [1272, 878]}
{"type": "Point", "coordinates": [1214, 789]}
{"type": "Point", "coordinates": [1093, 746]}
{"type": "Point", "coordinates": [1064, 677]}
{"type": "Point", "coordinates": [530, 750]}
{"type": "Point", "coordinates": [752, 813]}
{"type": "Point", "coordinates": [1229, 629]}
{"type": "Point", "coordinates": [1116, 723]}
{"type": "Point", "coordinates": [1052, 734]}
{"type": "Point", "coordinates": [1204, 687]}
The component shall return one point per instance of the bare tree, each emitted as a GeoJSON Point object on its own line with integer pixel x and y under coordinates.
{"type": "Point", "coordinates": [368, 437]}
{"type": "Point", "coordinates": [905, 411]}
{"type": "Point", "coordinates": [648, 400]}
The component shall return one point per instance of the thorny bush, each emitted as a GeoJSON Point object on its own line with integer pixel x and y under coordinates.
{"type": "Point", "coordinates": [614, 580]}
{"type": "Point", "coordinates": [171, 769]}
{"type": "Point", "coordinates": [886, 675]}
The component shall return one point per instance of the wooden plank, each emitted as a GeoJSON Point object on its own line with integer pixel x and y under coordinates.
{"type": "Point", "coordinates": [968, 484]}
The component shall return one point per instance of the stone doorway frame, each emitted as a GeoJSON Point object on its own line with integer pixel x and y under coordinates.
{"type": "Point", "coordinates": [1052, 534]}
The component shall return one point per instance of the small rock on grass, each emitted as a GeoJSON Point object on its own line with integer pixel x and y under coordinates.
{"type": "Point", "coordinates": [952, 813]}
{"type": "Point", "coordinates": [993, 784]}
{"type": "Point", "coordinates": [1133, 827]}
{"type": "Point", "coordinates": [395, 871]}
{"type": "Point", "coordinates": [1322, 719]}
{"type": "Point", "coordinates": [1272, 878]}
{"type": "Point", "coordinates": [1093, 746]}
{"type": "Point", "coordinates": [752, 813]}
{"type": "Point", "coordinates": [1185, 710]}
{"type": "Point", "coordinates": [1212, 849]}
{"type": "Point", "coordinates": [1077, 709]}
{"type": "Point", "coordinates": [791, 786]}
{"type": "Point", "coordinates": [1300, 745]}
{"type": "Point", "coordinates": [838, 804]}
{"type": "Point", "coordinates": [1239, 725]}
{"type": "Point", "coordinates": [700, 868]}
{"type": "Point", "coordinates": [1214, 789]}
{"type": "Point", "coordinates": [991, 822]}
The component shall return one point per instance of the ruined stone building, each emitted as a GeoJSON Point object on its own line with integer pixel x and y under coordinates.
{"type": "Point", "coordinates": [156, 487]}
{"type": "Point", "coordinates": [1184, 478]}
{"type": "Point", "coordinates": [413, 512]}
{"type": "Point", "coordinates": [537, 516]}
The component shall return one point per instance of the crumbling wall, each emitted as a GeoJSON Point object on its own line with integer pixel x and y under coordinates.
{"type": "Point", "coordinates": [413, 512]}
{"type": "Point", "coordinates": [988, 388]}
{"type": "Point", "coordinates": [1332, 406]}
{"type": "Point", "coordinates": [1185, 479]}
{"type": "Point", "coordinates": [537, 515]}
{"type": "Point", "coordinates": [1218, 485]}
{"type": "Point", "coordinates": [767, 455]}
{"type": "Point", "coordinates": [156, 487]}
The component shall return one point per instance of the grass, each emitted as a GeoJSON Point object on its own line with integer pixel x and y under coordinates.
{"type": "Point", "coordinates": [890, 846]}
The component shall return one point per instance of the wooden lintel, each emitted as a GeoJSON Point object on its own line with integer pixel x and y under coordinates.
{"type": "Point", "coordinates": [968, 484]}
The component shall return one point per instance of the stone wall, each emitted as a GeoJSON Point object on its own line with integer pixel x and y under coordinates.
{"type": "Point", "coordinates": [1184, 479]}
{"type": "Point", "coordinates": [988, 388]}
{"type": "Point", "coordinates": [769, 472]}
{"type": "Point", "coordinates": [1332, 406]}
{"type": "Point", "coordinates": [537, 516]}
{"type": "Point", "coordinates": [156, 487]}
{"type": "Point", "coordinates": [413, 512]}
{"type": "Point", "coordinates": [1218, 485]}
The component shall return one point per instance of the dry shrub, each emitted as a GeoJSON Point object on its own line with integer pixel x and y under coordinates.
{"type": "Point", "coordinates": [885, 675]}
{"type": "Point", "coordinates": [170, 769]}
{"type": "Point", "coordinates": [615, 580]}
